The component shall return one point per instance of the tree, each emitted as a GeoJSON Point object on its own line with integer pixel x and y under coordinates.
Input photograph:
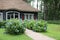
{"type": "Point", "coordinates": [51, 9]}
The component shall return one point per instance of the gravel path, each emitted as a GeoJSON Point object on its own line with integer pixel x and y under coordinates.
{"type": "Point", "coordinates": [37, 36]}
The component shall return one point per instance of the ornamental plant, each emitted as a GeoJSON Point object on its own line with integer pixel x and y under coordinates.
{"type": "Point", "coordinates": [2, 24]}
{"type": "Point", "coordinates": [14, 26]}
{"type": "Point", "coordinates": [31, 24]}
{"type": "Point", "coordinates": [40, 26]}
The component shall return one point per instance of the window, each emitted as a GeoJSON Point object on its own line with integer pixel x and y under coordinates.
{"type": "Point", "coordinates": [12, 14]}
{"type": "Point", "coordinates": [29, 16]}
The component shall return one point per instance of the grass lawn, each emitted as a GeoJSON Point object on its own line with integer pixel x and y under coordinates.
{"type": "Point", "coordinates": [4, 36]}
{"type": "Point", "coordinates": [53, 30]}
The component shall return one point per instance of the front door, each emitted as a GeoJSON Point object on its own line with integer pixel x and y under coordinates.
{"type": "Point", "coordinates": [1, 16]}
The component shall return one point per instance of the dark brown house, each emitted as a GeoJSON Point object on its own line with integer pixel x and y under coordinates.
{"type": "Point", "coordinates": [17, 9]}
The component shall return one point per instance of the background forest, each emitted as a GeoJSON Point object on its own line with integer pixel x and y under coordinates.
{"type": "Point", "coordinates": [51, 9]}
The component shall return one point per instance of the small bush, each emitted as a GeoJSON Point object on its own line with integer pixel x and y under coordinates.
{"type": "Point", "coordinates": [2, 24]}
{"type": "Point", "coordinates": [40, 26]}
{"type": "Point", "coordinates": [31, 24]}
{"type": "Point", "coordinates": [15, 26]}
{"type": "Point", "coordinates": [25, 23]}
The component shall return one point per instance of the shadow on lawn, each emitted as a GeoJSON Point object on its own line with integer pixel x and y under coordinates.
{"type": "Point", "coordinates": [6, 33]}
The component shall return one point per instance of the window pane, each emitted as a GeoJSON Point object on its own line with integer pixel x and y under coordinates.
{"type": "Point", "coordinates": [30, 16]}
{"type": "Point", "coordinates": [8, 16]}
{"type": "Point", "coordinates": [27, 16]}
{"type": "Point", "coordinates": [16, 15]}
{"type": "Point", "coordinates": [11, 15]}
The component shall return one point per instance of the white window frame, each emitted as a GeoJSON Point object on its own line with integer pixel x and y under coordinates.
{"type": "Point", "coordinates": [13, 14]}
{"type": "Point", "coordinates": [28, 16]}
{"type": "Point", "coordinates": [1, 16]}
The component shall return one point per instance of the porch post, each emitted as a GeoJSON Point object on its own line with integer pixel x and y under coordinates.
{"type": "Point", "coordinates": [14, 15]}
{"type": "Point", "coordinates": [18, 15]}
{"type": "Point", "coordinates": [28, 16]}
{"type": "Point", "coordinates": [6, 15]}
{"type": "Point", "coordinates": [25, 16]}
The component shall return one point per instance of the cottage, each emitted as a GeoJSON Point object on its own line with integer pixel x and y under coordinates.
{"type": "Point", "coordinates": [17, 9]}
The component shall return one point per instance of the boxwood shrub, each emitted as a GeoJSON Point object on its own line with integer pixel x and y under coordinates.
{"type": "Point", "coordinates": [14, 26]}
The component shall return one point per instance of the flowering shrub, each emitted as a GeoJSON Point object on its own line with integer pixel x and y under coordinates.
{"type": "Point", "coordinates": [15, 26]}
{"type": "Point", "coordinates": [31, 24]}
{"type": "Point", "coordinates": [40, 26]}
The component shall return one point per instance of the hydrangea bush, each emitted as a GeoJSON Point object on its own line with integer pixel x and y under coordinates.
{"type": "Point", "coordinates": [37, 25]}
{"type": "Point", "coordinates": [15, 26]}
{"type": "Point", "coordinates": [40, 26]}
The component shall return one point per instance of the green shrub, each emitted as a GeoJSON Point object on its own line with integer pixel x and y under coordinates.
{"type": "Point", "coordinates": [40, 26]}
{"type": "Point", "coordinates": [2, 24]}
{"type": "Point", "coordinates": [31, 24]}
{"type": "Point", "coordinates": [25, 23]}
{"type": "Point", "coordinates": [15, 26]}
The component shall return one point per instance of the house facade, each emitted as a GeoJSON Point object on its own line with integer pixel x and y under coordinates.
{"type": "Point", "coordinates": [17, 9]}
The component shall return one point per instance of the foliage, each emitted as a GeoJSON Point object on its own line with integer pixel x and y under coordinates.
{"type": "Point", "coordinates": [40, 26]}
{"type": "Point", "coordinates": [2, 24]}
{"type": "Point", "coordinates": [31, 24]}
{"type": "Point", "coordinates": [52, 9]}
{"type": "Point", "coordinates": [25, 23]}
{"type": "Point", "coordinates": [54, 21]}
{"type": "Point", "coordinates": [14, 26]}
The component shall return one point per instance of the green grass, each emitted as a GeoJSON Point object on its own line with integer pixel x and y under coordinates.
{"type": "Point", "coordinates": [4, 36]}
{"type": "Point", "coordinates": [53, 30]}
